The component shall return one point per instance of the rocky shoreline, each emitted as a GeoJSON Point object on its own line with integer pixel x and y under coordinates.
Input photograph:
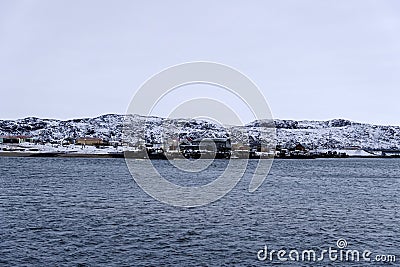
{"type": "Point", "coordinates": [141, 155]}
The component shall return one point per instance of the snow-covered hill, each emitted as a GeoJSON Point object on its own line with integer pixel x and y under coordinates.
{"type": "Point", "coordinates": [313, 134]}
{"type": "Point", "coordinates": [337, 133]}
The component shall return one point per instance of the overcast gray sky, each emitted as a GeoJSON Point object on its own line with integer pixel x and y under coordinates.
{"type": "Point", "coordinates": [311, 59]}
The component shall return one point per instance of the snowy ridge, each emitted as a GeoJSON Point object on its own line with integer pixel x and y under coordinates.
{"type": "Point", "coordinates": [336, 133]}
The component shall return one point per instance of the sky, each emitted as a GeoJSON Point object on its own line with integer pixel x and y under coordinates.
{"type": "Point", "coordinates": [312, 60]}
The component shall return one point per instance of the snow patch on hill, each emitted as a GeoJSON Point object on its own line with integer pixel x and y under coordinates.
{"type": "Point", "coordinates": [329, 134]}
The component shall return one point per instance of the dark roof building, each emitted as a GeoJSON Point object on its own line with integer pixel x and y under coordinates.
{"type": "Point", "coordinates": [15, 139]}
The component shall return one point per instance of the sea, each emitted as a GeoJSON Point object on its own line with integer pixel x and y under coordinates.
{"type": "Point", "coordinates": [91, 212]}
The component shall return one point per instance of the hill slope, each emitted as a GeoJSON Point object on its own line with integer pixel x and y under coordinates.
{"type": "Point", "coordinates": [313, 134]}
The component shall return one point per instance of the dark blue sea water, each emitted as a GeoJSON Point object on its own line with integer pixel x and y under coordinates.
{"type": "Point", "coordinates": [90, 212]}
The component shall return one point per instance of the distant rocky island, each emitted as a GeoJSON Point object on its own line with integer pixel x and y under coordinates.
{"type": "Point", "coordinates": [108, 129]}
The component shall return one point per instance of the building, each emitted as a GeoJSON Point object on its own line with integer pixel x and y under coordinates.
{"type": "Point", "coordinates": [15, 139]}
{"type": "Point", "coordinates": [90, 141]}
{"type": "Point", "coordinates": [115, 143]}
{"type": "Point", "coordinates": [240, 147]}
{"type": "Point", "coordinates": [204, 146]}
{"type": "Point", "coordinates": [67, 141]}
{"type": "Point", "coordinates": [212, 144]}
{"type": "Point", "coordinates": [208, 144]}
{"type": "Point", "coordinates": [154, 147]}
{"type": "Point", "coordinates": [299, 147]}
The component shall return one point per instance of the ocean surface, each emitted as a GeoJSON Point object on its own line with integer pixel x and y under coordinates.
{"type": "Point", "coordinates": [90, 212]}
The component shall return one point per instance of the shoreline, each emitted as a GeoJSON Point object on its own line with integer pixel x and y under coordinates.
{"type": "Point", "coordinates": [14, 154]}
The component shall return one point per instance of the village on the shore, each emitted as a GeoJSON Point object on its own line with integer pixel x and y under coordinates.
{"type": "Point", "coordinates": [27, 146]}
